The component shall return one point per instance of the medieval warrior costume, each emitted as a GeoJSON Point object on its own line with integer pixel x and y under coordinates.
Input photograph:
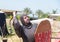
{"type": "Point", "coordinates": [25, 31]}
{"type": "Point", "coordinates": [3, 28]}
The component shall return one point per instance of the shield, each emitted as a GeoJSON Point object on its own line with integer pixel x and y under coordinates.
{"type": "Point", "coordinates": [43, 32]}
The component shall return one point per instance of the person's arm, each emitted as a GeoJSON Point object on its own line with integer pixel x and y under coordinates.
{"type": "Point", "coordinates": [17, 27]}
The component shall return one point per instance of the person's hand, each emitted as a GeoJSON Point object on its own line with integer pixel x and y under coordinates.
{"type": "Point", "coordinates": [14, 14]}
{"type": "Point", "coordinates": [14, 17]}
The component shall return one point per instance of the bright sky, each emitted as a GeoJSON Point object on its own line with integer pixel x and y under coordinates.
{"type": "Point", "coordinates": [44, 5]}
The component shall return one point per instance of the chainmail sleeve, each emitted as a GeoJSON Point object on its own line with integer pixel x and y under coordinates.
{"type": "Point", "coordinates": [17, 27]}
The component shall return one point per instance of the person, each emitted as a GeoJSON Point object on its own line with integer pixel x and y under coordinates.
{"type": "Point", "coordinates": [3, 27]}
{"type": "Point", "coordinates": [25, 29]}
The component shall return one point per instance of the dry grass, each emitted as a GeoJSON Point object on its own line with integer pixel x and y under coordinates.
{"type": "Point", "coordinates": [13, 38]}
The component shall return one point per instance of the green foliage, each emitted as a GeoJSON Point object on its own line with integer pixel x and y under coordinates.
{"type": "Point", "coordinates": [39, 13]}
{"type": "Point", "coordinates": [8, 15]}
{"type": "Point", "coordinates": [58, 18]}
{"type": "Point", "coordinates": [44, 15]}
{"type": "Point", "coordinates": [18, 17]}
{"type": "Point", "coordinates": [27, 11]}
{"type": "Point", "coordinates": [54, 11]}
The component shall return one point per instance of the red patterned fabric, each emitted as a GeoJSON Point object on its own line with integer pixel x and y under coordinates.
{"type": "Point", "coordinates": [43, 37]}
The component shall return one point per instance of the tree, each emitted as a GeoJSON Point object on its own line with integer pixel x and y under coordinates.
{"type": "Point", "coordinates": [27, 11]}
{"type": "Point", "coordinates": [39, 13]}
{"type": "Point", "coordinates": [45, 16]}
{"type": "Point", "coordinates": [54, 11]}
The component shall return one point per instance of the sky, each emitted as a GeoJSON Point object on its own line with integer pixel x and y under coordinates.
{"type": "Point", "coordinates": [34, 5]}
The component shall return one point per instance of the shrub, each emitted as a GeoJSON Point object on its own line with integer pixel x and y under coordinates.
{"type": "Point", "coordinates": [58, 18]}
